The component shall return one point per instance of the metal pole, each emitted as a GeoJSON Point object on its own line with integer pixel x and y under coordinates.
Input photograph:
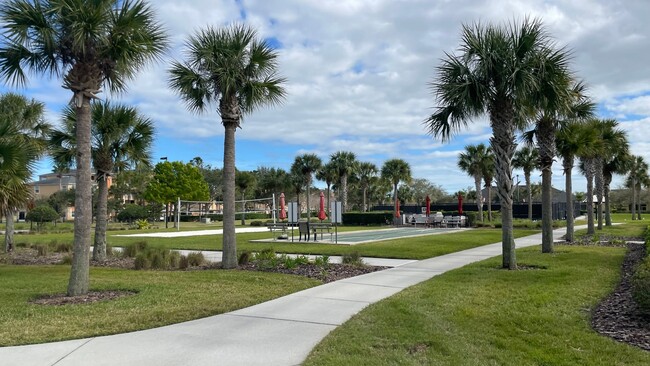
{"type": "Point", "coordinates": [273, 210]}
{"type": "Point", "coordinates": [178, 214]}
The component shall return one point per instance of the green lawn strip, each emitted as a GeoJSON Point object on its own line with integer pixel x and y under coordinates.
{"type": "Point", "coordinates": [164, 297]}
{"type": "Point", "coordinates": [627, 227]}
{"type": "Point", "coordinates": [481, 315]}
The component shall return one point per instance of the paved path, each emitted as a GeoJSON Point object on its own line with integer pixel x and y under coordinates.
{"type": "Point", "coordinates": [178, 234]}
{"type": "Point", "coordinates": [278, 332]}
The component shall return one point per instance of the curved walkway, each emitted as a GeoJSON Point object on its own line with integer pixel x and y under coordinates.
{"type": "Point", "coordinates": [278, 332]}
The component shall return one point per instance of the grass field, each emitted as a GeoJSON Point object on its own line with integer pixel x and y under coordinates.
{"type": "Point", "coordinates": [163, 297]}
{"type": "Point", "coordinates": [480, 315]}
{"type": "Point", "coordinates": [630, 228]}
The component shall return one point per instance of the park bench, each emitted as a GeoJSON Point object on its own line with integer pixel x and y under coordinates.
{"type": "Point", "coordinates": [279, 226]}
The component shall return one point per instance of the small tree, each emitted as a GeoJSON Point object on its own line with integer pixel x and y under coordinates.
{"type": "Point", "coordinates": [41, 214]}
{"type": "Point", "coordinates": [132, 213]}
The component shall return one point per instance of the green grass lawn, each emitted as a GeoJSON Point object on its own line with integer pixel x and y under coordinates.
{"type": "Point", "coordinates": [628, 227]}
{"type": "Point", "coordinates": [481, 315]}
{"type": "Point", "coordinates": [163, 297]}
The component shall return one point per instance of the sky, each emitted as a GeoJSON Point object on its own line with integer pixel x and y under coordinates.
{"type": "Point", "coordinates": [358, 79]}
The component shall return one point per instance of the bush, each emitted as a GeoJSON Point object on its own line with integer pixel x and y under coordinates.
{"type": "Point", "coordinates": [41, 214]}
{"type": "Point", "coordinates": [157, 260]}
{"type": "Point", "coordinates": [174, 259]}
{"type": "Point", "coordinates": [289, 263]}
{"type": "Point", "coordinates": [302, 260]}
{"type": "Point", "coordinates": [641, 281]}
{"type": "Point", "coordinates": [353, 258]}
{"type": "Point", "coordinates": [244, 257]}
{"type": "Point", "coordinates": [195, 259]}
{"type": "Point", "coordinates": [142, 224]}
{"type": "Point", "coordinates": [134, 249]}
{"type": "Point", "coordinates": [42, 250]}
{"type": "Point", "coordinates": [183, 263]}
{"type": "Point", "coordinates": [367, 218]}
{"type": "Point", "coordinates": [131, 213]}
{"type": "Point", "coordinates": [63, 248]}
{"type": "Point", "coordinates": [67, 259]}
{"type": "Point", "coordinates": [322, 261]}
{"type": "Point", "coordinates": [257, 223]}
{"type": "Point", "coordinates": [142, 262]}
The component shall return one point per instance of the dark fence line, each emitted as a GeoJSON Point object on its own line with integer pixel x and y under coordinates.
{"type": "Point", "coordinates": [519, 210]}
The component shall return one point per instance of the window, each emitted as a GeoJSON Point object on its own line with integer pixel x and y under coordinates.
{"type": "Point", "coordinates": [36, 189]}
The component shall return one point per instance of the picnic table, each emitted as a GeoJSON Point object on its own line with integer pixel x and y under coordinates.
{"type": "Point", "coordinates": [307, 228]}
{"type": "Point", "coordinates": [278, 226]}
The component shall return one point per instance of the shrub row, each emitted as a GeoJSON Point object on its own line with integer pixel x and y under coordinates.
{"type": "Point", "coordinates": [641, 280]}
{"type": "Point", "coordinates": [158, 258]}
{"type": "Point", "coordinates": [367, 218]}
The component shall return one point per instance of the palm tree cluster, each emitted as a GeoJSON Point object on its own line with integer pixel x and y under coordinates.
{"type": "Point", "coordinates": [520, 78]}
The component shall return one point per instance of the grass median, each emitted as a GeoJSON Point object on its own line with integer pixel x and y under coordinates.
{"type": "Point", "coordinates": [162, 297]}
{"type": "Point", "coordinates": [481, 315]}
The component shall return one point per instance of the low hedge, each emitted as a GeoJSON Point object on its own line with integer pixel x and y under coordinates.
{"type": "Point", "coordinates": [367, 218]}
{"type": "Point", "coordinates": [641, 280]}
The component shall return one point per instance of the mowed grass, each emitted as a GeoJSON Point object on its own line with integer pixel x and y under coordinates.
{"type": "Point", "coordinates": [627, 227]}
{"type": "Point", "coordinates": [406, 248]}
{"type": "Point", "coordinates": [162, 298]}
{"type": "Point", "coordinates": [481, 315]}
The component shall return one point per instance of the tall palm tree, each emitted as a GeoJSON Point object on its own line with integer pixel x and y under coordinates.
{"type": "Point", "coordinates": [527, 159]}
{"type": "Point", "coordinates": [558, 106]}
{"type": "Point", "coordinates": [572, 140]}
{"type": "Point", "coordinates": [121, 139]}
{"type": "Point", "coordinates": [619, 163]}
{"type": "Point", "coordinates": [638, 172]}
{"type": "Point", "coordinates": [396, 171]}
{"type": "Point", "coordinates": [90, 44]}
{"type": "Point", "coordinates": [346, 165]}
{"type": "Point", "coordinates": [588, 159]}
{"type": "Point", "coordinates": [245, 181]}
{"type": "Point", "coordinates": [614, 142]}
{"type": "Point", "coordinates": [366, 172]}
{"type": "Point", "coordinates": [488, 177]}
{"type": "Point", "coordinates": [306, 165]}
{"type": "Point", "coordinates": [235, 69]}
{"type": "Point", "coordinates": [327, 173]}
{"type": "Point", "coordinates": [500, 70]}
{"type": "Point", "coordinates": [26, 120]}
{"type": "Point", "coordinates": [472, 162]}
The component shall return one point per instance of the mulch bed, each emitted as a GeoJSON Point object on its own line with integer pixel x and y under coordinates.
{"type": "Point", "coordinates": [90, 297]}
{"type": "Point", "coordinates": [617, 316]}
{"type": "Point", "coordinates": [333, 272]}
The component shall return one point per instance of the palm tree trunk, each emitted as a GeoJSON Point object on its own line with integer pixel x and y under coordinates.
{"type": "Point", "coordinates": [503, 145]}
{"type": "Point", "coordinates": [395, 203]}
{"type": "Point", "coordinates": [489, 201]}
{"type": "Point", "coordinates": [589, 174]}
{"type": "Point", "coordinates": [568, 187]}
{"type": "Point", "coordinates": [530, 195]}
{"type": "Point", "coordinates": [229, 240]}
{"type": "Point", "coordinates": [329, 211]}
{"type": "Point", "coordinates": [633, 199]}
{"type": "Point", "coordinates": [638, 203]}
{"type": "Point", "coordinates": [9, 231]}
{"type": "Point", "coordinates": [365, 191]}
{"type": "Point", "coordinates": [243, 208]}
{"type": "Point", "coordinates": [99, 250]}
{"type": "Point", "coordinates": [479, 197]}
{"type": "Point", "coordinates": [83, 216]}
{"type": "Point", "coordinates": [606, 191]}
{"type": "Point", "coordinates": [344, 191]}
{"type": "Point", "coordinates": [546, 143]}
{"type": "Point", "coordinates": [598, 169]}
{"type": "Point", "coordinates": [308, 205]}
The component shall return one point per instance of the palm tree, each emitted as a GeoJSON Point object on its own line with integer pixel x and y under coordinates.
{"type": "Point", "coordinates": [500, 71]}
{"type": "Point", "coordinates": [614, 143]}
{"type": "Point", "coordinates": [306, 165]}
{"type": "Point", "coordinates": [572, 140]}
{"type": "Point", "coordinates": [396, 171]}
{"type": "Point", "coordinates": [327, 173]}
{"type": "Point", "coordinates": [527, 159]}
{"type": "Point", "coordinates": [588, 159]}
{"type": "Point", "coordinates": [488, 177]}
{"type": "Point", "coordinates": [26, 120]}
{"type": "Point", "coordinates": [473, 162]}
{"type": "Point", "coordinates": [638, 172]}
{"type": "Point", "coordinates": [557, 107]}
{"type": "Point", "coordinates": [244, 181]}
{"type": "Point", "coordinates": [121, 139]}
{"type": "Point", "coordinates": [236, 70]}
{"type": "Point", "coordinates": [619, 163]}
{"type": "Point", "coordinates": [367, 171]}
{"type": "Point", "coordinates": [345, 163]}
{"type": "Point", "coordinates": [90, 44]}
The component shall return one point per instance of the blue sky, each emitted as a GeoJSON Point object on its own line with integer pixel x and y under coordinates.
{"type": "Point", "coordinates": [358, 74]}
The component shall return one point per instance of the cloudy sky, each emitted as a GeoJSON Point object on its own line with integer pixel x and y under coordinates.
{"type": "Point", "coordinates": [358, 74]}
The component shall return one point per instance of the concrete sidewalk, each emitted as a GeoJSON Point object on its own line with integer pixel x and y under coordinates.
{"type": "Point", "coordinates": [278, 332]}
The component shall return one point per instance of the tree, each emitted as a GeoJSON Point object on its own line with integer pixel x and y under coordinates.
{"type": "Point", "coordinates": [345, 163]}
{"type": "Point", "coordinates": [327, 173]}
{"type": "Point", "coordinates": [614, 142]}
{"type": "Point", "coordinates": [572, 140]}
{"type": "Point", "coordinates": [272, 181]}
{"type": "Point", "coordinates": [41, 214]}
{"type": "Point", "coordinates": [235, 69]}
{"type": "Point", "coordinates": [366, 172]}
{"type": "Point", "coordinates": [588, 167]}
{"type": "Point", "coordinates": [132, 213]}
{"type": "Point", "coordinates": [245, 181]}
{"type": "Point", "coordinates": [90, 44]}
{"type": "Point", "coordinates": [23, 131]}
{"type": "Point", "coordinates": [619, 163]}
{"type": "Point", "coordinates": [559, 104]}
{"type": "Point", "coordinates": [306, 165]}
{"type": "Point", "coordinates": [121, 139]}
{"type": "Point", "coordinates": [527, 159]}
{"type": "Point", "coordinates": [175, 180]}
{"type": "Point", "coordinates": [637, 174]}
{"type": "Point", "coordinates": [488, 178]}
{"type": "Point", "coordinates": [396, 171]}
{"type": "Point", "coordinates": [473, 161]}
{"type": "Point", "coordinates": [500, 70]}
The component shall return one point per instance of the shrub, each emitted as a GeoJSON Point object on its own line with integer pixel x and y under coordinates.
{"type": "Point", "coordinates": [157, 260]}
{"type": "Point", "coordinates": [289, 263]}
{"type": "Point", "coordinates": [142, 224]}
{"type": "Point", "coordinates": [131, 213]}
{"type": "Point", "coordinates": [641, 286]}
{"type": "Point", "coordinates": [244, 257]}
{"type": "Point", "coordinates": [265, 254]}
{"type": "Point", "coordinates": [142, 262]}
{"type": "Point", "coordinates": [42, 250]}
{"type": "Point", "coordinates": [257, 223]}
{"type": "Point", "coordinates": [302, 260]}
{"type": "Point", "coordinates": [367, 218]}
{"type": "Point", "coordinates": [134, 249]}
{"type": "Point", "coordinates": [183, 263]}
{"type": "Point", "coordinates": [353, 258]}
{"type": "Point", "coordinates": [195, 259]}
{"type": "Point", "coordinates": [41, 214]}
{"type": "Point", "coordinates": [174, 259]}
{"type": "Point", "coordinates": [322, 261]}
{"type": "Point", "coordinates": [67, 259]}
